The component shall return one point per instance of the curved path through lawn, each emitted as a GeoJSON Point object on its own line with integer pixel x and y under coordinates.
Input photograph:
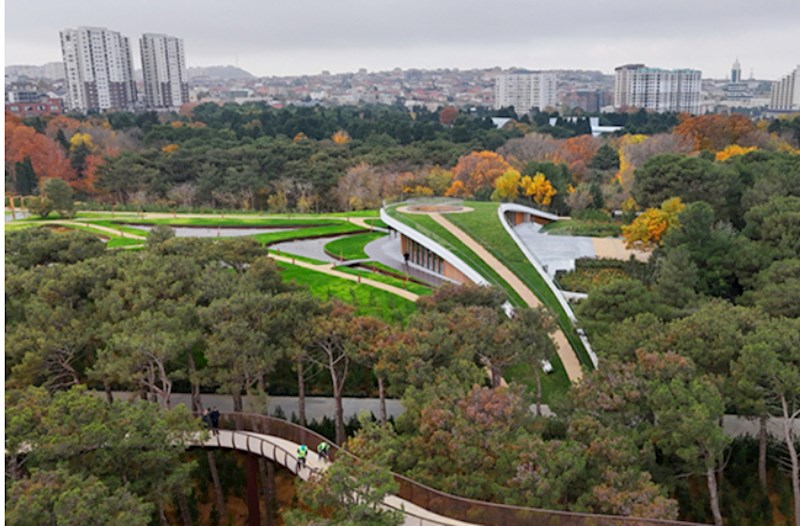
{"type": "Point", "coordinates": [328, 269]}
{"type": "Point", "coordinates": [99, 228]}
{"type": "Point", "coordinates": [564, 349]}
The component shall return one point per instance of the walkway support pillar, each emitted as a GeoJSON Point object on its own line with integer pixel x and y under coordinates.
{"type": "Point", "coordinates": [253, 501]}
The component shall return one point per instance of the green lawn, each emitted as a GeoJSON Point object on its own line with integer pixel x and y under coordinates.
{"type": "Point", "coordinates": [352, 247]}
{"type": "Point", "coordinates": [338, 227]}
{"type": "Point", "coordinates": [576, 227]}
{"type": "Point", "coordinates": [117, 242]}
{"type": "Point", "coordinates": [212, 221]}
{"type": "Point", "coordinates": [367, 300]}
{"type": "Point", "coordinates": [484, 226]}
{"type": "Point", "coordinates": [19, 225]}
{"type": "Point", "coordinates": [410, 286]}
{"type": "Point", "coordinates": [119, 227]}
{"type": "Point", "coordinates": [376, 222]}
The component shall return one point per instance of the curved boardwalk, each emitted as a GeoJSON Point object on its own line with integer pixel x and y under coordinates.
{"type": "Point", "coordinates": [564, 349]}
{"type": "Point", "coordinates": [278, 440]}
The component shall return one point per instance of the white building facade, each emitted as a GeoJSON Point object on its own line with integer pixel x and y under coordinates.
{"type": "Point", "coordinates": [525, 91]}
{"type": "Point", "coordinates": [786, 93]}
{"type": "Point", "coordinates": [659, 90]}
{"type": "Point", "coordinates": [98, 69]}
{"type": "Point", "coordinates": [164, 70]}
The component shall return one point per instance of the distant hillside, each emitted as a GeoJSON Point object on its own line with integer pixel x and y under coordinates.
{"type": "Point", "coordinates": [50, 71]}
{"type": "Point", "coordinates": [219, 73]}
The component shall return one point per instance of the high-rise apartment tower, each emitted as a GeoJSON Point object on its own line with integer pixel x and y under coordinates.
{"type": "Point", "coordinates": [164, 71]}
{"type": "Point", "coordinates": [656, 89]}
{"type": "Point", "coordinates": [98, 69]}
{"type": "Point", "coordinates": [525, 91]}
{"type": "Point", "coordinates": [786, 92]}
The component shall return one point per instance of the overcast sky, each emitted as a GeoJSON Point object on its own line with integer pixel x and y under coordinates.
{"type": "Point", "coordinates": [287, 37]}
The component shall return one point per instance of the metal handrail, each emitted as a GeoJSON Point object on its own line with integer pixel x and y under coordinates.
{"type": "Point", "coordinates": [440, 502]}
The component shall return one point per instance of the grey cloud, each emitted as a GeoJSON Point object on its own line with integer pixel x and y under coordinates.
{"type": "Point", "coordinates": [344, 33]}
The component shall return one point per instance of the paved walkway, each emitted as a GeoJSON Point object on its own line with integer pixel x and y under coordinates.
{"type": "Point", "coordinates": [99, 228]}
{"type": "Point", "coordinates": [564, 349]}
{"type": "Point", "coordinates": [328, 269]}
{"type": "Point", "coordinates": [310, 248]}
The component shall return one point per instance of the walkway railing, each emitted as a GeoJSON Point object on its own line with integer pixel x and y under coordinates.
{"type": "Point", "coordinates": [439, 502]}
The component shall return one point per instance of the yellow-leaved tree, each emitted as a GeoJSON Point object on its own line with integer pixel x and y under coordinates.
{"type": "Point", "coordinates": [507, 185]}
{"type": "Point", "coordinates": [733, 150]}
{"type": "Point", "coordinates": [81, 139]}
{"type": "Point", "coordinates": [647, 231]}
{"type": "Point", "coordinates": [538, 188]}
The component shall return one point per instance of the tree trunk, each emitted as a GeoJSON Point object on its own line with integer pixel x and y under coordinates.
{"type": "Point", "coordinates": [795, 463]}
{"type": "Point", "coordinates": [339, 416]}
{"type": "Point", "coordinates": [197, 401]}
{"type": "Point", "coordinates": [711, 479]}
{"type": "Point", "coordinates": [538, 395]}
{"type": "Point", "coordinates": [220, 497]}
{"type": "Point", "coordinates": [237, 403]}
{"type": "Point", "coordinates": [762, 452]}
{"type": "Point", "coordinates": [382, 396]}
{"type": "Point", "coordinates": [497, 375]}
{"type": "Point", "coordinates": [107, 389]}
{"type": "Point", "coordinates": [301, 393]}
{"type": "Point", "coordinates": [162, 515]}
{"type": "Point", "coordinates": [267, 471]}
{"type": "Point", "coordinates": [183, 506]}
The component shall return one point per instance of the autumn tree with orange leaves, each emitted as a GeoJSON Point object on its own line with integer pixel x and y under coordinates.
{"type": "Point", "coordinates": [46, 157]}
{"type": "Point", "coordinates": [474, 174]}
{"type": "Point", "coordinates": [716, 132]}
{"type": "Point", "coordinates": [447, 115]}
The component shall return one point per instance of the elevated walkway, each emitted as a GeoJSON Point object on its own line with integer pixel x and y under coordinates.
{"type": "Point", "coordinates": [277, 440]}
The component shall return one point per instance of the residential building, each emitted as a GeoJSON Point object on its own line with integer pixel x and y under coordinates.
{"type": "Point", "coordinates": [525, 91]}
{"type": "Point", "coordinates": [41, 105]}
{"type": "Point", "coordinates": [164, 70]}
{"type": "Point", "coordinates": [660, 90]}
{"type": "Point", "coordinates": [786, 93]}
{"type": "Point", "coordinates": [98, 69]}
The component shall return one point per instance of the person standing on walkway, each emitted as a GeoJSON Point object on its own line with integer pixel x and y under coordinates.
{"type": "Point", "coordinates": [214, 417]}
{"type": "Point", "coordinates": [302, 454]}
{"type": "Point", "coordinates": [206, 418]}
{"type": "Point", "coordinates": [323, 449]}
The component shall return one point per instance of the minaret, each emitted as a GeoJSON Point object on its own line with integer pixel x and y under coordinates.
{"type": "Point", "coordinates": [736, 72]}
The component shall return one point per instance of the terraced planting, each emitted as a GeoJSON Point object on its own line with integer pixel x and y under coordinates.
{"type": "Point", "coordinates": [484, 226]}
{"type": "Point", "coordinates": [432, 229]}
{"type": "Point", "coordinates": [367, 300]}
{"type": "Point", "coordinates": [352, 247]}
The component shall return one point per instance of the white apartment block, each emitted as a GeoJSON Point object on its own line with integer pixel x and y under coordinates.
{"type": "Point", "coordinates": [786, 93]}
{"type": "Point", "coordinates": [164, 69]}
{"type": "Point", "coordinates": [525, 91]}
{"type": "Point", "coordinates": [99, 71]}
{"type": "Point", "coordinates": [658, 90]}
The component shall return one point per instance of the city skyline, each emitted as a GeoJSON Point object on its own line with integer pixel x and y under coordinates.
{"type": "Point", "coordinates": [284, 40]}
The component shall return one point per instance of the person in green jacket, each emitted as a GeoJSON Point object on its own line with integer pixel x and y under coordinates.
{"type": "Point", "coordinates": [323, 449]}
{"type": "Point", "coordinates": [302, 455]}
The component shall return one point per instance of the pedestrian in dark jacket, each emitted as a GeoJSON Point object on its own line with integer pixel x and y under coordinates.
{"type": "Point", "coordinates": [214, 416]}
